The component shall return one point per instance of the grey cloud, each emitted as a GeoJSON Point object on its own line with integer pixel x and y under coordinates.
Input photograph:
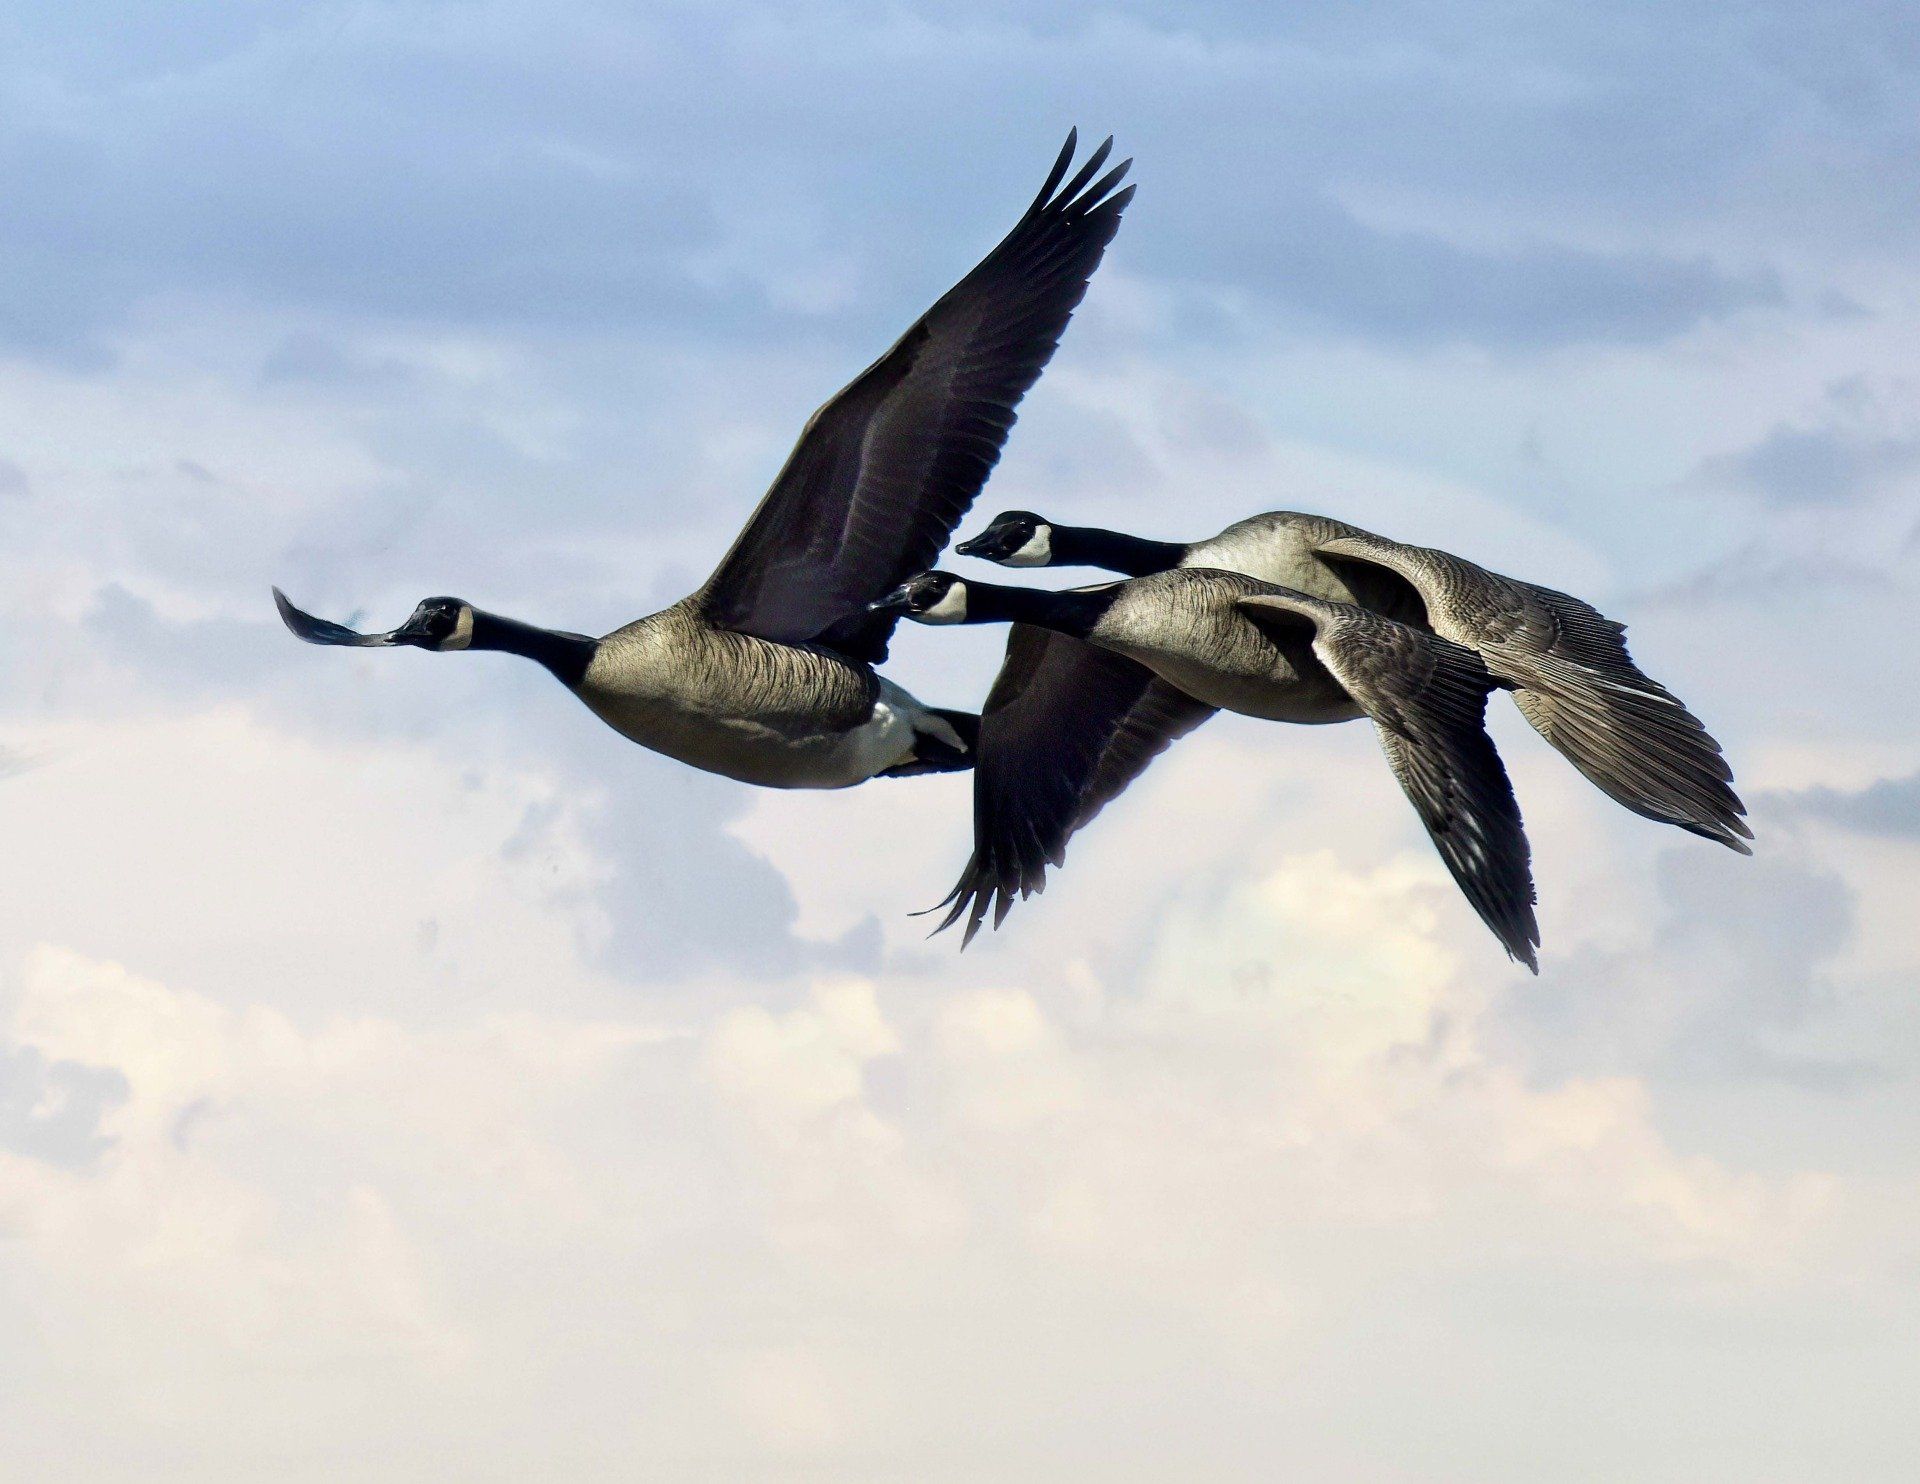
{"type": "Point", "coordinates": [689, 166]}
{"type": "Point", "coordinates": [684, 897]}
{"type": "Point", "coordinates": [1828, 464]}
{"type": "Point", "coordinates": [1732, 980]}
{"type": "Point", "coordinates": [1771, 568]}
{"type": "Point", "coordinates": [372, 220]}
{"type": "Point", "coordinates": [194, 660]}
{"type": "Point", "coordinates": [307, 357]}
{"type": "Point", "coordinates": [1888, 808]}
{"type": "Point", "coordinates": [52, 1110]}
{"type": "Point", "coordinates": [1323, 265]}
{"type": "Point", "coordinates": [1838, 304]}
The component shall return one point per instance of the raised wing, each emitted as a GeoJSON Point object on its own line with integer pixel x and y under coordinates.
{"type": "Point", "coordinates": [1065, 729]}
{"type": "Point", "coordinates": [885, 470]}
{"type": "Point", "coordinates": [1575, 682]}
{"type": "Point", "coordinates": [1428, 699]}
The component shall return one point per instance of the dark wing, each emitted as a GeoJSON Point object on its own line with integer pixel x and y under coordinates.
{"type": "Point", "coordinates": [1627, 733]}
{"type": "Point", "coordinates": [1065, 729]}
{"type": "Point", "coordinates": [1573, 679]}
{"type": "Point", "coordinates": [885, 470]}
{"type": "Point", "coordinates": [1428, 700]}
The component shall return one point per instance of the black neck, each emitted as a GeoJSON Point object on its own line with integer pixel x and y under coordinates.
{"type": "Point", "coordinates": [1070, 613]}
{"type": "Point", "coordinates": [565, 655]}
{"type": "Point", "coordinates": [1089, 546]}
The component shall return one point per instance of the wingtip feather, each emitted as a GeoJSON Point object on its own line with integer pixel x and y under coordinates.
{"type": "Point", "coordinates": [1059, 170]}
{"type": "Point", "coordinates": [1095, 197]}
{"type": "Point", "coordinates": [1071, 191]}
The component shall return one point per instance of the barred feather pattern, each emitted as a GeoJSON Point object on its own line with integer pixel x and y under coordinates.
{"type": "Point", "coordinates": [1574, 681]}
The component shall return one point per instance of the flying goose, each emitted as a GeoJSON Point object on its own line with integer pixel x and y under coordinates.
{"type": "Point", "coordinates": [1098, 681]}
{"type": "Point", "coordinates": [766, 674]}
{"type": "Point", "coordinates": [1566, 663]}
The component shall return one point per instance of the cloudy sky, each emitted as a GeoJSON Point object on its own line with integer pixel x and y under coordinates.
{"type": "Point", "coordinates": [403, 1078]}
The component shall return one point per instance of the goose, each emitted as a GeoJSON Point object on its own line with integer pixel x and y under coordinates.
{"type": "Point", "coordinates": [767, 674]}
{"type": "Point", "coordinates": [1565, 663]}
{"type": "Point", "coordinates": [1098, 681]}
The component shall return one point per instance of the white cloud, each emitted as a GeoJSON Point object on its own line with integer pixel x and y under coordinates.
{"type": "Point", "coordinates": [412, 1080]}
{"type": "Point", "coordinates": [297, 1206]}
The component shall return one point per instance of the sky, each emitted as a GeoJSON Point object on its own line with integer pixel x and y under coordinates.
{"type": "Point", "coordinates": [404, 1078]}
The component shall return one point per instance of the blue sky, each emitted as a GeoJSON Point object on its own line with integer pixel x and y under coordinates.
{"type": "Point", "coordinates": [396, 1065]}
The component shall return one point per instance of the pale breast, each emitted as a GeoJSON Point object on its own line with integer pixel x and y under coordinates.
{"type": "Point", "coordinates": [1184, 627]}
{"type": "Point", "coordinates": [747, 708]}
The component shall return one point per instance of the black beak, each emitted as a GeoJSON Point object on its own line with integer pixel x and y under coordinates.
{"type": "Point", "coordinates": [413, 631]}
{"type": "Point", "coordinates": [986, 544]}
{"type": "Point", "coordinates": [321, 631]}
{"type": "Point", "coordinates": [897, 601]}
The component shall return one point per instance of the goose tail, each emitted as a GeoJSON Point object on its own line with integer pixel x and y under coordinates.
{"type": "Point", "coordinates": [1634, 741]}
{"type": "Point", "coordinates": [943, 742]}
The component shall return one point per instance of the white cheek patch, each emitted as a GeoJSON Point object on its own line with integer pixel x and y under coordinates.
{"type": "Point", "coordinates": [952, 607]}
{"type": "Point", "coordinates": [462, 634]}
{"type": "Point", "coordinates": [1037, 551]}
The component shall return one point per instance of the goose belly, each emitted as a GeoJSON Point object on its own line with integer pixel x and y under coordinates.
{"type": "Point", "coordinates": [1277, 692]}
{"type": "Point", "coordinates": [1187, 633]}
{"type": "Point", "coordinates": [761, 713]}
{"type": "Point", "coordinates": [737, 747]}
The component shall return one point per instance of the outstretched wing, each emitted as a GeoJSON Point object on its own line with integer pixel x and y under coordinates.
{"type": "Point", "coordinates": [1575, 682]}
{"type": "Point", "coordinates": [1428, 699]}
{"type": "Point", "coordinates": [885, 470]}
{"type": "Point", "coordinates": [1065, 729]}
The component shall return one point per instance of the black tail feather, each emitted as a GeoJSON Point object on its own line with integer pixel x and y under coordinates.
{"type": "Point", "coordinates": [933, 754]}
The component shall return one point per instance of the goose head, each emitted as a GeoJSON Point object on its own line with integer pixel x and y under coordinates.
{"type": "Point", "coordinates": [1017, 538]}
{"type": "Point", "coordinates": [437, 623]}
{"type": "Point", "coordinates": [932, 597]}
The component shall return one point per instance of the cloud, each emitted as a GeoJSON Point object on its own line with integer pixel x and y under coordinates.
{"type": "Point", "coordinates": [687, 180]}
{"type": "Point", "coordinates": [1888, 808]}
{"type": "Point", "coordinates": [1259, 1103]}
{"type": "Point", "coordinates": [1793, 467]}
{"type": "Point", "coordinates": [396, 1064]}
{"type": "Point", "coordinates": [1320, 264]}
{"type": "Point", "coordinates": [53, 1110]}
{"type": "Point", "coordinates": [1857, 445]}
{"type": "Point", "coordinates": [191, 660]}
{"type": "Point", "coordinates": [176, 1241]}
{"type": "Point", "coordinates": [357, 1219]}
{"type": "Point", "coordinates": [1735, 975]}
{"type": "Point", "coordinates": [634, 844]}
{"type": "Point", "coordinates": [305, 356]}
